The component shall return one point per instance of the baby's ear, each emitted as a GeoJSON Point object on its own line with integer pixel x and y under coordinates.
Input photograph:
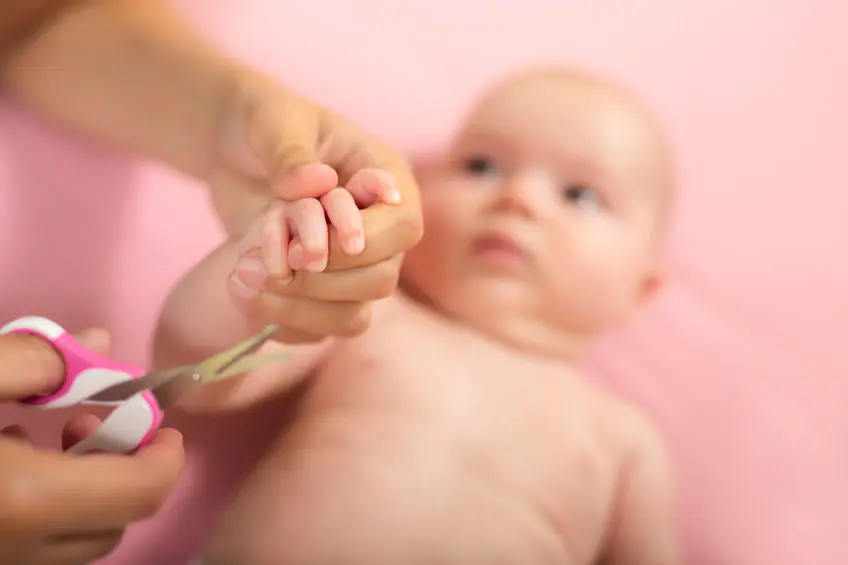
{"type": "Point", "coordinates": [653, 282]}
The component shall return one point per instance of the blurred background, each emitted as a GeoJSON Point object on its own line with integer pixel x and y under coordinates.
{"type": "Point", "coordinates": [741, 359]}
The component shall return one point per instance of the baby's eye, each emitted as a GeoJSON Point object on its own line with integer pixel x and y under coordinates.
{"type": "Point", "coordinates": [583, 197]}
{"type": "Point", "coordinates": [480, 165]}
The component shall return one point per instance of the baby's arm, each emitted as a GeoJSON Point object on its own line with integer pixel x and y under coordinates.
{"type": "Point", "coordinates": [126, 71]}
{"type": "Point", "coordinates": [215, 305]}
{"type": "Point", "coordinates": [201, 318]}
{"type": "Point", "coordinates": [644, 529]}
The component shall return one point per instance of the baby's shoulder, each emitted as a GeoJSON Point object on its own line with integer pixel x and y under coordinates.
{"type": "Point", "coordinates": [621, 421]}
{"type": "Point", "coordinates": [637, 435]}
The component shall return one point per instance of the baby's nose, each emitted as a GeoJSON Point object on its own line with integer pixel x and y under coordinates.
{"type": "Point", "coordinates": [532, 191]}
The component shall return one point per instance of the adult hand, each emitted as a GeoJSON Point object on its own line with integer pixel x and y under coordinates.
{"type": "Point", "coordinates": [277, 144]}
{"type": "Point", "coordinates": [60, 509]}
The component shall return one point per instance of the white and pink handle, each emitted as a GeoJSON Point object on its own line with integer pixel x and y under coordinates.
{"type": "Point", "coordinates": [133, 421]}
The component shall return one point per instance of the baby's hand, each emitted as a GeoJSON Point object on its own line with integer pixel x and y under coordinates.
{"type": "Point", "coordinates": [292, 236]}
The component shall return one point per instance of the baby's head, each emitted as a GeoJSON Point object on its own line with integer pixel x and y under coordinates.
{"type": "Point", "coordinates": [542, 227]}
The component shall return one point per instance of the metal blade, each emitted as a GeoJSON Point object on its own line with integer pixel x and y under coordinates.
{"type": "Point", "coordinates": [169, 384]}
{"type": "Point", "coordinates": [217, 364]}
{"type": "Point", "coordinates": [171, 391]}
{"type": "Point", "coordinates": [251, 363]}
{"type": "Point", "coordinates": [124, 390]}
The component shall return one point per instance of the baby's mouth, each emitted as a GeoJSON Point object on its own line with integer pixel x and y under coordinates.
{"type": "Point", "coordinates": [500, 251]}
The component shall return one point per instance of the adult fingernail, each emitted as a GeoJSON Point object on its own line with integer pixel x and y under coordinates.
{"type": "Point", "coordinates": [393, 196]}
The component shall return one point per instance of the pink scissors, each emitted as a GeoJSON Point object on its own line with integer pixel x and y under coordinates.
{"type": "Point", "coordinates": [139, 397]}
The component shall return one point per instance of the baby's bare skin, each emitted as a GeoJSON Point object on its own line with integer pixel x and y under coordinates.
{"type": "Point", "coordinates": [457, 430]}
{"type": "Point", "coordinates": [453, 450]}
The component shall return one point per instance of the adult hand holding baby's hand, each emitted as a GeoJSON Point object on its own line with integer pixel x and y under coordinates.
{"type": "Point", "coordinates": [277, 144]}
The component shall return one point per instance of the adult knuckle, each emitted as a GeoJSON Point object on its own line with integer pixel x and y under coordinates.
{"type": "Point", "coordinates": [356, 321]}
{"type": "Point", "coordinates": [293, 287]}
{"type": "Point", "coordinates": [294, 337]}
{"type": "Point", "coordinates": [409, 227]}
{"type": "Point", "coordinates": [149, 500]}
{"type": "Point", "coordinates": [286, 156]}
{"type": "Point", "coordinates": [385, 279]}
{"type": "Point", "coordinates": [275, 307]}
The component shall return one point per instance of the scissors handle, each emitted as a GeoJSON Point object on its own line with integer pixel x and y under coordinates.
{"type": "Point", "coordinates": [129, 426]}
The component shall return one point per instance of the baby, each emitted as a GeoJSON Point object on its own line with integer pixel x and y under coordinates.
{"type": "Point", "coordinates": [457, 429]}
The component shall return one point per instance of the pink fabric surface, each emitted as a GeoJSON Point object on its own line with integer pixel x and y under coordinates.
{"type": "Point", "coordinates": [742, 359]}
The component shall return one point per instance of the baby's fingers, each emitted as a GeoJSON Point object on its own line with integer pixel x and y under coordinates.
{"type": "Point", "coordinates": [369, 186]}
{"type": "Point", "coordinates": [262, 252]}
{"type": "Point", "coordinates": [346, 218]}
{"type": "Point", "coordinates": [308, 225]}
{"type": "Point", "coordinates": [274, 242]}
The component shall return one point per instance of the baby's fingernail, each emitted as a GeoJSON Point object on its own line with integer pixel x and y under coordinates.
{"type": "Point", "coordinates": [317, 265]}
{"type": "Point", "coordinates": [354, 245]}
{"type": "Point", "coordinates": [239, 290]}
{"type": "Point", "coordinates": [296, 256]}
{"type": "Point", "coordinates": [251, 271]}
{"type": "Point", "coordinates": [393, 195]}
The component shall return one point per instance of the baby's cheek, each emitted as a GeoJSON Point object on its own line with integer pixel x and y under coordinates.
{"type": "Point", "coordinates": [593, 294]}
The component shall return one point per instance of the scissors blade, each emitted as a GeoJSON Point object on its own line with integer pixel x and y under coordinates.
{"type": "Point", "coordinates": [251, 363]}
{"type": "Point", "coordinates": [209, 370]}
{"type": "Point", "coordinates": [194, 375]}
{"type": "Point", "coordinates": [213, 367]}
{"type": "Point", "coordinates": [124, 390]}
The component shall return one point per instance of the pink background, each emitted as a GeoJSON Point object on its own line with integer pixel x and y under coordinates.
{"type": "Point", "coordinates": [742, 359]}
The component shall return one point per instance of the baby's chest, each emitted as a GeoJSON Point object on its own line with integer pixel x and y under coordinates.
{"type": "Point", "coordinates": [425, 357]}
{"type": "Point", "coordinates": [497, 409]}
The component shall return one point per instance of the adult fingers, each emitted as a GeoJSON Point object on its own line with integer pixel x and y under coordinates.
{"type": "Point", "coordinates": [55, 492]}
{"type": "Point", "coordinates": [78, 429]}
{"type": "Point", "coordinates": [389, 231]}
{"type": "Point", "coordinates": [394, 224]}
{"type": "Point", "coordinates": [360, 284]}
{"type": "Point", "coordinates": [16, 433]}
{"type": "Point", "coordinates": [29, 365]}
{"type": "Point", "coordinates": [283, 132]}
{"type": "Point", "coordinates": [77, 550]}
{"type": "Point", "coordinates": [351, 152]}
{"type": "Point", "coordinates": [315, 317]}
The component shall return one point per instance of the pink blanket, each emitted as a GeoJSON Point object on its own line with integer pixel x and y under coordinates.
{"type": "Point", "coordinates": [742, 360]}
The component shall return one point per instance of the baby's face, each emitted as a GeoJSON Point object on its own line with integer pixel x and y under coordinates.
{"type": "Point", "coordinates": [543, 223]}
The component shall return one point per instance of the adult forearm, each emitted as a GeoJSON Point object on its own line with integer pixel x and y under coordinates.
{"type": "Point", "coordinates": [129, 72]}
{"type": "Point", "coordinates": [19, 20]}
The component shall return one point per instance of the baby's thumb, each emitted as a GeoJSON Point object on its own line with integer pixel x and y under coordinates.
{"type": "Point", "coordinates": [97, 340]}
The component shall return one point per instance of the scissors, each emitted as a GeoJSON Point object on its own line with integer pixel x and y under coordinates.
{"type": "Point", "coordinates": [139, 397]}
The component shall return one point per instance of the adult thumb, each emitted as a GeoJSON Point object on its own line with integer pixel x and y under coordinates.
{"type": "Point", "coordinates": [29, 365]}
{"type": "Point", "coordinates": [284, 137]}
